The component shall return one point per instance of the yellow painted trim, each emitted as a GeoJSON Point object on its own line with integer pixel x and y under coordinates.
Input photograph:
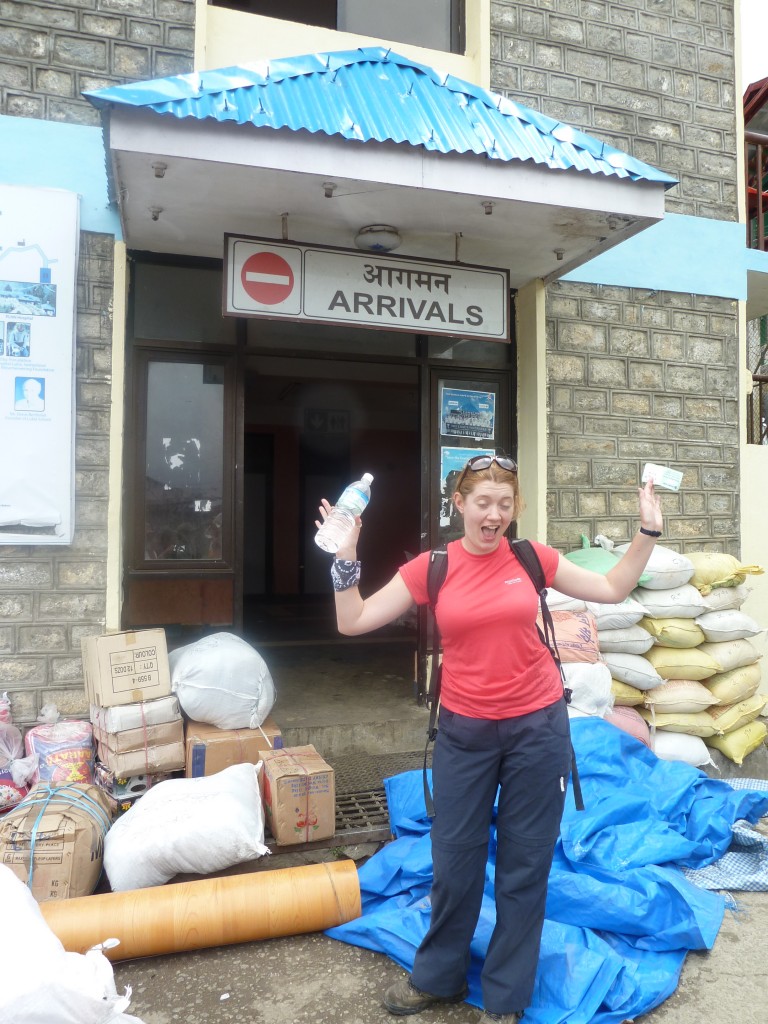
{"type": "Point", "coordinates": [224, 38]}
{"type": "Point", "coordinates": [530, 311]}
{"type": "Point", "coordinates": [116, 441]}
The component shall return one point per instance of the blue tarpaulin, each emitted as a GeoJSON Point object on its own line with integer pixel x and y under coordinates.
{"type": "Point", "coordinates": [621, 913]}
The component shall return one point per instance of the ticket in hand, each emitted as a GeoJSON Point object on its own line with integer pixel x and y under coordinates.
{"type": "Point", "coordinates": [662, 476]}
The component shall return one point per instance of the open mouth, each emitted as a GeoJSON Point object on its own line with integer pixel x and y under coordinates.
{"type": "Point", "coordinates": [489, 532]}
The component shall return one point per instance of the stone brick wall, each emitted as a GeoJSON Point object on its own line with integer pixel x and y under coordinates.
{"type": "Point", "coordinates": [634, 378]}
{"type": "Point", "coordinates": [655, 78]}
{"type": "Point", "coordinates": [53, 50]}
{"type": "Point", "coordinates": [50, 51]}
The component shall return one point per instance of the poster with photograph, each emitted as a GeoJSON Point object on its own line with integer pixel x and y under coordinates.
{"type": "Point", "coordinates": [39, 234]}
{"type": "Point", "coordinates": [452, 461]}
{"type": "Point", "coordinates": [468, 413]}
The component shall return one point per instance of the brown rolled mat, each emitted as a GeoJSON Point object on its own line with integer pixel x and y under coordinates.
{"type": "Point", "coordinates": [210, 912]}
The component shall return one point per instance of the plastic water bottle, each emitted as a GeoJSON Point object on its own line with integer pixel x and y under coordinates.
{"type": "Point", "coordinates": [341, 518]}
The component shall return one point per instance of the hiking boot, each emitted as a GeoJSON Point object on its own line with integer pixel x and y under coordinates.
{"type": "Point", "coordinates": [498, 1018]}
{"type": "Point", "coordinates": [403, 998]}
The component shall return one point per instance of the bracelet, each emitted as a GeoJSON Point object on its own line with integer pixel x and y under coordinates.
{"type": "Point", "coordinates": [650, 533]}
{"type": "Point", "coordinates": [344, 574]}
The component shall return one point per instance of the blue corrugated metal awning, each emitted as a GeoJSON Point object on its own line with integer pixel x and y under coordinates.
{"type": "Point", "coordinates": [374, 94]}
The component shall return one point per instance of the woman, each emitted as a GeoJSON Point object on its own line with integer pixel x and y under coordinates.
{"type": "Point", "coordinates": [503, 722]}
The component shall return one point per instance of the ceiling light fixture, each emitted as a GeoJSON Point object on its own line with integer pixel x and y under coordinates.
{"type": "Point", "coordinates": [378, 238]}
{"type": "Point", "coordinates": [159, 169]}
{"type": "Point", "coordinates": [488, 206]}
{"type": "Point", "coordinates": [329, 187]}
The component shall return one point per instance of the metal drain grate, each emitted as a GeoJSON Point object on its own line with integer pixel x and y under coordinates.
{"type": "Point", "coordinates": [356, 812]}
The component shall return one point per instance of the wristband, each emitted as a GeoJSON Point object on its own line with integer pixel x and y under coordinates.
{"type": "Point", "coordinates": [344, 574]}
{"type": "Point", "coordinates": [650, 533]}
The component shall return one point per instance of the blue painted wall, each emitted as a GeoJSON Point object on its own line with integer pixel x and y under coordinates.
{"type": "Point", "coordinates": [68, 156]}
{"type": "Point", "coordinates": [679, 254]}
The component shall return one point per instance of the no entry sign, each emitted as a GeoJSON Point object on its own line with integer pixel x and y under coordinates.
{"type": "Point", "coordinates": [267, 278]}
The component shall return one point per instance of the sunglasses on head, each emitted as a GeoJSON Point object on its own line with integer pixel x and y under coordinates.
{"type": "Point", "coordinates": [480, 462]}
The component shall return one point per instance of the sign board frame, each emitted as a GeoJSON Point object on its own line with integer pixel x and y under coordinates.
{"type": "Point", "coordinates": [281, 280]}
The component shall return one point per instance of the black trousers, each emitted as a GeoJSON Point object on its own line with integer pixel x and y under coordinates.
{"type": "Point", "coordinates": [529, 757]}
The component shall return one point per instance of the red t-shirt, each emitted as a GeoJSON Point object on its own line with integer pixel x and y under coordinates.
{"type": "Point", "coordinates": [494, 663]}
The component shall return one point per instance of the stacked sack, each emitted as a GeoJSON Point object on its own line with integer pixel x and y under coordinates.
{"type": "Point", "coordinates": [683, 674]}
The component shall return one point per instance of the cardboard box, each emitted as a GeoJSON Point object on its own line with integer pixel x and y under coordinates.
{"type": "Point", "coordinates": [165, 757]}
{"type": "Point", "coordinates": [210, 749]}
{"type": "Point", "coordinates": [137, 739]}
{"type": "Point", "coordinates": [64, 831]}
{"type": "Point", "coordinates": [136, 716]}
{"type": "Point", "coordinates": [124, 668]}
{"type": "Point", "coordinates": [299, 795]}
{"type": "Point", "coordinates": [123, 792]}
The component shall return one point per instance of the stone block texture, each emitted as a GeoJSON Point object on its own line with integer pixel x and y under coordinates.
{"type": "Point", "coordinates": [634, 376]}
{"type": "Point", "coordinates": [53, 50]}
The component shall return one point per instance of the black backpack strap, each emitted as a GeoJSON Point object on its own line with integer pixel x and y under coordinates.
{"type": "Point", "coordinates": [436, 573]}
{"type": "Point", "coordinates": [526, 555]}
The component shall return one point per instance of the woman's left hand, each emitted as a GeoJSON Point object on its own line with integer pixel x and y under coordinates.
{"type": "Point", "coordinates": [650, 507]}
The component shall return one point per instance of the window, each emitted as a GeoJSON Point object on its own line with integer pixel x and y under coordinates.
{"type": "Point", "coordinates": [434, 24]}
{"type": "Point", "coordinates": [757, 362]}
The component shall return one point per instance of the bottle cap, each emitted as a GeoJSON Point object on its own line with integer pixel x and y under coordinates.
{"type": "Point", "coordinates": [368, 477]}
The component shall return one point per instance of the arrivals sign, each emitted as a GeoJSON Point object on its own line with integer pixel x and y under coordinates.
{"type": "Point", "coordinates": [284, 281]}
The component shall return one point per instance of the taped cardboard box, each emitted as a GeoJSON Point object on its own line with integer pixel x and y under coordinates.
{"type": "Point", "coordinates": [164, 757]}
{"type": "Point", "coordinates": [137, 739]}
{"type": "Point", "coordinates": [299, 795]}
{"type": "Point", "coordinates": [126, 668]}
{"type": "Point", "coordinates": [136, 716]}
{"type": "Point", "coordinates": [57, 834]}
{"type": "Point", "coordinates": [210, 750]}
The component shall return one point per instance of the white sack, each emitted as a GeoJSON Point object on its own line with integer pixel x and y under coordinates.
{"type": "Point", "coordinates": [722, 598]}
{"type": "Point", "coordinates": [41, 982]}
{"type": "Point", "coordinates": [727, 625]}
{"type": "Point", "coordinates": [616, 616]}
{"type": "Point", "coordinates": [665, 568]}
{"type": "Point", "coordinates": [223, 681]}
{"type": "Point", "coordinates": [590, 686]}
{"type": "Point", "coordinates": [187, 826]}
{"type": "Point", "coordinates": [630, 640]}
{"type": "Point", "coordinates": [679, 746]}
{"type": "Point", "coordinates": [633, 669]}
{"type": "Point", "coordinates": [564, 603]}
{"type": "Point", "coordinates": [676, 603]}
{"type": "Point", "coordinates": [730, 654]}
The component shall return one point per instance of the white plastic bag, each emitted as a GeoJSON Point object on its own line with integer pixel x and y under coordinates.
{"type": "Point", "coordinates": [223, 681]}
{"type": "Point", "coordinates": [182, 826]}
{"type": "Point", "coordinates": [16, 771]}
{"type": "Point", "coordinates": [42, 983]}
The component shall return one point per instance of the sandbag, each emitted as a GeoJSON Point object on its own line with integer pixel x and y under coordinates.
{"type": "Point", "coordinates": [678, 746]}
{"type": "Point", "coordinates": [731, 624]}
{"type": "Point", "coordinates": [678, 633]}
{"type": "Point", "coordinates": [738, 744]}
{"type": "Point", "coordinates": [223, 681]}
{"type": "Point", "coordinates": [576, 636]}
{"type": "Point", "coordinates": [616, 616]}
{"type": "Point", "coordinates": [598, 558]}
{"type": "Point", "coordinates": [697, 723]}
{"type": "Point", "coordinates": [625, 695]}
{"type": "Point", "coordinates": [630, 640]}
{"type": "Point", "coordinates": [722, 598]}
{"type": "Point", "coordinates": [634, 669]}
{"type": "Point", "coordinates": [590, 686]}
{"type": "Point", "coordinates": [682, 664]}
{"type": "Point", "coordinates": [735, 685]}
{"type": "Point", "coordinates": [563, 602]}
{"type": "Point", "coordinates": [731, 653]}
{"type": "Point", "coordinates": [734, 716]}
{"type": "Point", "coordinates": [680, 696]}
{"type": "Point", "coordinates": [187, 826]}
{"type": "Point", "coordinates": [717, 569]}
{"type": "Point", "coordinates": [630, 721]}
{"type": "Point", "coordinates": [679, 603]}
{"type": "Point", "coordinates": [665, 568]}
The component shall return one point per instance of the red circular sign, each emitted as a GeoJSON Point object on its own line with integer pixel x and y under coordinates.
{"type": "Point", "coordinates": [267, 278]}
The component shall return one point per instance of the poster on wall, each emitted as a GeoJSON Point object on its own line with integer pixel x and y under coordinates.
{"type": "Point", "coordinates": [38, 267]}
{"type": "Point", "coordinates": [465, 413]}
{"type": "Point", "coordinates": [452, 462]}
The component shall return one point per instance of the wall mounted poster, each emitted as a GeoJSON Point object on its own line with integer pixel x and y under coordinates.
{"type": "Point", "coordinates": [468, 413]}
{"type": "Point", "coordinates": [452, 462]}
{"type": "Point", "coordinates": [38, 267]}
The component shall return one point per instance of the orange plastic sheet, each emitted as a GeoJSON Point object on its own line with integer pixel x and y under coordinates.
{"type": "Point", "coordinates": [211, 912]}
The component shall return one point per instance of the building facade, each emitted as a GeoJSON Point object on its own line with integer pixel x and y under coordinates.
{"type": "Point", "coordinates": [633, 352]}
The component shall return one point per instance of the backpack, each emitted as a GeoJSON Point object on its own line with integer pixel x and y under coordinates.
{"type": "Point", "coordinates": [436, 573]}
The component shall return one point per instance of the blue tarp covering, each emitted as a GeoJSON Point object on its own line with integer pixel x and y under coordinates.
{"type": "Point", "coordinates": [621, 915]}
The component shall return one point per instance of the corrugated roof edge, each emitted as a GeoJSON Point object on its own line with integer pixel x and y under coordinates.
{"type": "Point", "coordinates": [199, 84]}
